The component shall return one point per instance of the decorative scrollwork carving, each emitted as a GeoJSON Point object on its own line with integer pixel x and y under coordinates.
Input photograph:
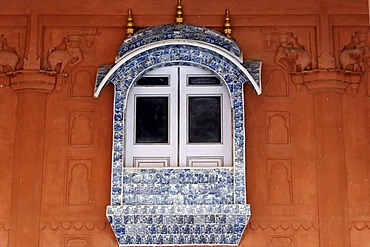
{"type": "Point", "coordinates": [359, 225]}
{"type": "Point", "coordinates": [77, 225]}
{"type": "Point", "coordinates": [284, 225]}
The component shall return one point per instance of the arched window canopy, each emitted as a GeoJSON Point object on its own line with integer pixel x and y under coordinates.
{"type": "Point", "coordinates": [179, 205]}
{"type": "Point", "coordinates": [168, 45]}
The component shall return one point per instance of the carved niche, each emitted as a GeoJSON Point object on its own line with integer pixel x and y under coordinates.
{"type": "Point", "coordinates": [279, 181]}
{"type": "Point", "coordinates": [277, 128]}
{"type": "Point", "coordinates": [276, 84]}
{"type": "Point", "coordinates": [82, 82]}
{"type": "Point", "coordinates": [81, 128]}
{"type": "Point", "coordinates": [79, 183]}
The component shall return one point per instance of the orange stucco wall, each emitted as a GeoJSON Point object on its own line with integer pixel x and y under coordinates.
{"type": "Point", "coordinates": [308, 136]}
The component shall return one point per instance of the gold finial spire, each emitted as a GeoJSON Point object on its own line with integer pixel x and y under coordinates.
{"type": "Point", "coordinates": [179, 18]}
{"type": "Point", "coordinates": [227, 25]}
{"type": "Point", "coordinates": [130, 24]}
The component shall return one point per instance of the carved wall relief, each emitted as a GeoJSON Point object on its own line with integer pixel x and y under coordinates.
{"type": "Point", "coordinates": [74, 241]}
{"type": "Point", "coordinates": [73, 225]}
{"type": "Point", "coordinates": [67, 48]}
{"type": "Point", "coordinates": [8, 56]}
{"type": "Point", "coordinates": [66, 54]}
{"type": "Point", "coordinates": [283, 225]}
{"type": "Point", "coordinates": [355, 56]}
{"type": "Point", "coordinates": [82, 84]}
{"type": "Point", "coordinates": [281, 241]}
{"type": "Point", "coordinates": [366, 80]}
{"type": "Point", "coordinates": [277, 128]}
{"type": "Point", "coordinates": [367, 124]}
{"type": "Point", "coordinates": [74, 233]}
{"type": "Point", "coordinates": [276, 84]}
{"type": "Point", "coordinates": [4, 233]}
{"type": "Point", "coordinates": [279, 179]}
{"type": "Point", "coordinates": [79, 182]}
{"type": "Point", "coordinates": [367, 179]}
{"type": "Point", "coordinates": [4, 239]}
{"type": "Point", "coordinates": [291, 55]}
{"type": "Point", "coordinates": [81, 128]}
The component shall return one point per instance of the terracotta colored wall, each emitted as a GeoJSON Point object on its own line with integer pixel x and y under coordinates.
{"type": "Point", "coordinates": [308, 147]}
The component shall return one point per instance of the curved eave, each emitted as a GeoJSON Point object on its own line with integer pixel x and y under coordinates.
{"type": "Point", "coordinates": [226, 54]}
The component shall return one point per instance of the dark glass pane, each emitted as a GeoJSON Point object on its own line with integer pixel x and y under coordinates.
{"type": "Point", "coordinates": [196, 80]}
{"type": "Point", "coordinates": [204, 119]}
{"type": "Point", "coordinates": [152, 81]}
{"type": "Point", "coordinates": [151, 120]}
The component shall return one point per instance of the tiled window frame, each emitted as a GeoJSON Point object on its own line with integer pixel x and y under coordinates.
{"type": "Point", "coordinates": [137, 56]}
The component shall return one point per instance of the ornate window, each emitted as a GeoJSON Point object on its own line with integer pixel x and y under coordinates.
{"type": "Point", "coordinates": [178, 160]}
{"type": "Point", "coordinates": [178, 116]}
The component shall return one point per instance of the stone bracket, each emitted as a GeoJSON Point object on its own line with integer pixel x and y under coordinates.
{"type": "Point", "coordinates": [327, 80]}
{"type": "Point", "coordinates": [35, 80]}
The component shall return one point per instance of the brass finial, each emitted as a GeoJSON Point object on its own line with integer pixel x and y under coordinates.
{"type": "Point", "coordinates": [227, 25]}
{"type": "Point", "coordinates": [130, 24]}
{"type": "Point", "coordinates": [179, 18]}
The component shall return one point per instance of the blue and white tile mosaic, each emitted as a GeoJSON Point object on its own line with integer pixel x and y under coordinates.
{"type": "Point", "coordinates": [178, 205]}
{"type": "Point", "coordinates": [127, 74]}
{"type": "Point", "coordinates": [178, 224]}
{"type": "Point", "coordinates": [102, 72]}
{"type": "Point", "coordinates": [178, 186]}
{"type": "Point", "coordinates": [172, 31]}
{"type": "Point", "coordinates": [254, 68]}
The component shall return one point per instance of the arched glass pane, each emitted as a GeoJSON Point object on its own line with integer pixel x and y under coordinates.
{"type": "Point", "coordinates": [151, 120]}
{"type": "Point", "coordinates": [204, 119]}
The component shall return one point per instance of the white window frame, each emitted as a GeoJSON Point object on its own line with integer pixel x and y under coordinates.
{"type": "Point", "coordinates": [178, 152]}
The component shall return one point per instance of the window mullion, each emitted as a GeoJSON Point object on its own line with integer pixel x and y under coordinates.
{"type": "Point", "coordinates": [178, 116]}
